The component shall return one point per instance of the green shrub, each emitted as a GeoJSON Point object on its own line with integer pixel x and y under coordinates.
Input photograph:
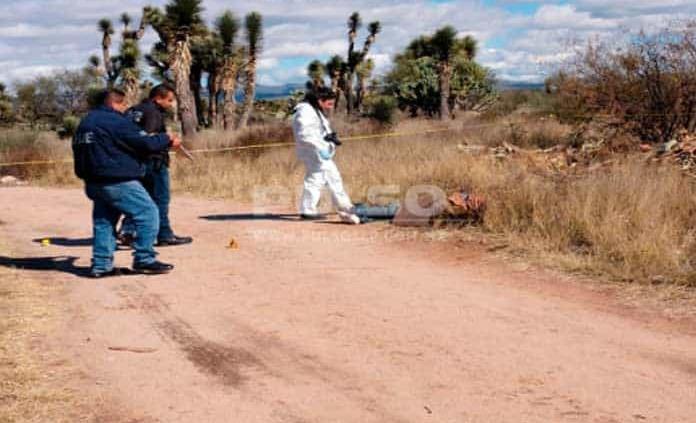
{"type": "Point", "coordinates": [69, 127]}
{"type": "Point", "coordinates": [382, 109]}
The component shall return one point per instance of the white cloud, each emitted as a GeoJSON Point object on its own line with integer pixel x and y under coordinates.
{"type": "Point", "coordinates": [290, 49]}
{"type": "Point", "coordinates": [38, 35]}
{"type": "Point", "coordinates": [567, 16]}
{"type": "Point", "coordinates": [268, 63]}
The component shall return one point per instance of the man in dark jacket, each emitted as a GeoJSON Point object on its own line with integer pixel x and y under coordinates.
{"type": "Point", "coordinates": [109, 151]}
{"type": "Point", "coordinates": [150, 116]}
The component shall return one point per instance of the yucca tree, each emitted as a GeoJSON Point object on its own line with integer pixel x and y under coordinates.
{"type": "Point", "coordinates": [107, 30]}
{"type": "Point", "coordinates": [129, 70]}
{"type": "Point", "coordinates": [335, 70]}
{"type": "Point", "coordinates": [94, 67]}
{"type": "Point", "coordinates": [373, 28]}
{"type": "Point", "coordinates": [180, 20]}
{"type": "Point", "coordinates": [183, 17]}
{"type": "Point", "coordinates": [364, 73]}
{"type": "Point", "coordinates": [129, 60]}
{"type": "Point", "coordinates": [354, 24]}
{"type": "Point", "coordinates": [125, 20]}
{"type": "Point", "coordinates": [253, 24]}
{"type": "Point", "coordinates": [212, 60]}
{"type": "Point", "coordinates": [206, 53]}
{"type": "Point", "coordinates": [315, 72]}
{"type": "Point", "coordinates": [467, 47]}
{"type": "Point", "coordinates": [445, 47]}
{"type": "Point", "coordinates": [228, 27]}
{"type": "Point", "coordinates": [158, 57]}
{"type": "Point", "coordinates": [158, 21]}
{"type": "Point", "coordinates": [198, 59]}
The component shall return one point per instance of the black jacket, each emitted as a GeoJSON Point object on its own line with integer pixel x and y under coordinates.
{"type": "Point", "coordinates": [151, 118]}
{"type": "Point", "coordinates": [108, 147]}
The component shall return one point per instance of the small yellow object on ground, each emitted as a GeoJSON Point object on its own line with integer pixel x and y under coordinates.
{"type": "Point", "coordinates": [233, 245]}
{"type": "Point", "coordinates": [45, 242]}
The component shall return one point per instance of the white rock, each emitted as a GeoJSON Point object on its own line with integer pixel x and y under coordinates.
{"type": "Point", "coordinates": [10, 180]}
{"type": "Point", "coordinates": [7, 180]}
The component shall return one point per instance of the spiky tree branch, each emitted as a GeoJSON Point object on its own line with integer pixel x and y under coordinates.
{"type": "Point", "coordinates": [228, 27]}
{"type": "Point", "coordinates": [254, 34]}
{"type": "Point", "coordinates": [107, 29]}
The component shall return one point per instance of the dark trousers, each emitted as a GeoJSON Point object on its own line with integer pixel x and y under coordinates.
{"type": "Point", "coordinates": [156, 182]}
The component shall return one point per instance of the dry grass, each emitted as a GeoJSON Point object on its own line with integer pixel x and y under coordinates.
{"type": "Point", "coordinates": [31, 379]}
{"type": "Point", "coordinates": [23, 145]}
{"type": "Point", "coordinates": [632, 221]}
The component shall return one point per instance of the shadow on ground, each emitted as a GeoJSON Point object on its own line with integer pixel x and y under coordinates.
{"type": "Point", "coordinates": [290, 217]}
{"type": "Point", "coordinates": [66, 242]}
{"type": "Point", "coordinates": [64, 264]}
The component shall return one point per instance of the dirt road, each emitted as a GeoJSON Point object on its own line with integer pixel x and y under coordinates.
{"type": "Point", "coordinates": [319, 322]}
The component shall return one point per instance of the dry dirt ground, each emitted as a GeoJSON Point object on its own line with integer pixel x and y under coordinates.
{"type": "Point", "coordinates": [320, 322]}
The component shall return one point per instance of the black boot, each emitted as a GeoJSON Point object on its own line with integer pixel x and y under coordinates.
{"type": "Point", "coordinates": [174, 240]}
{"type": "Point", "coordinates": [154, 268]}
{"type": "Point", "coordinates": [116, 271]}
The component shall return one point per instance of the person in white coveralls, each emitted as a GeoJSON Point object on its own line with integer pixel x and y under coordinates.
{"type": "Point", "coordinates": [316, 147]}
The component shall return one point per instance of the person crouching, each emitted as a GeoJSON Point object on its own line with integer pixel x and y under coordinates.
{"type": "Point", "coordinates": [109, 151]}
{"type": "Point", "coordinates": [316, 147]}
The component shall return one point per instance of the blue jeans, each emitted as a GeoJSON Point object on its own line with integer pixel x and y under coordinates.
{"type": "Point", "coordinates": [110, 202]}
{"type": "Point", "coordinates": [156, 182]}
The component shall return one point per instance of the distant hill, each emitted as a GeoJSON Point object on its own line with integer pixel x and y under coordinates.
{"type": "Point", "coordinates": [267, 92]}
{"type": "Point", "coordinates": [507, 85]}
{"type": "Point", "coordinates": [271, 92]}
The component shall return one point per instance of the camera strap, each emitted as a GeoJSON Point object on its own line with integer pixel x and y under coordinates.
{"type": "Point", "coordinates": [324, 121]}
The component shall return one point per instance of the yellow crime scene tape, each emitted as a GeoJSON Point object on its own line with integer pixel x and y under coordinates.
{"type": "Point", "coordinates": [353, 138]}
{"type": "Point", "coordinates": [35, 162]}
{"type": "Point", "coordinates": [250, 147]}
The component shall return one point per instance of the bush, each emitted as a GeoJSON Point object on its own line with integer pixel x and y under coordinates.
{"type": "Point", "coordinates": [70, 124]}
{"type": "Point", "coordinates": [382, 109]}
{"type": "Point", "coordinates": [18, 145]}
{"type": "Point", "coordinates": [649, 86]}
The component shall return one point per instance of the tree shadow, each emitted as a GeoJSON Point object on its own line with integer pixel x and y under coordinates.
{"type": "Point", "coordinates": [288, 217]}
{"type": "Point", "coordinates": [64, 264]}
{"type": "Point", "coordinates": [66, 242]}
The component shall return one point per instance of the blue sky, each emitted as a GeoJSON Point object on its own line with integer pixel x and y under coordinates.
{"type": "Point", "coordinates": [520, 40]}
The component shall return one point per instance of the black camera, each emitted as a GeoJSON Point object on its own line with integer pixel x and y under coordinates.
{"type": "Point", "coordinates": [333, 138]}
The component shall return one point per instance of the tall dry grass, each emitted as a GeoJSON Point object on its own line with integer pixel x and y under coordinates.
{"type": "Point", "coordinates": [632, 221]}
{"type": "Point", "coordinates": [21, 145]}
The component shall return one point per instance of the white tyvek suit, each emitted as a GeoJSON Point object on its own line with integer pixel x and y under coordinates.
{"type": "Point", "coordinates": [310, 128]}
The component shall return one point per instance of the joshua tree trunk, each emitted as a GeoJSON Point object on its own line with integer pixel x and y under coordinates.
{"type": "Point", "coordinates": [106, 53]}
{"type": "Point", "coordinates": [131, 85]}
{"type": "Point", "coordinates": [249, 91]}
{"type": "Point", "coordinates": [195, 83]}
{"type": "Point", "coordinates": [445, 77]}
{"type": "Point", "coordinates": [213, 85]}
{"type": "Point", "coordinates": [180, 63]}
{"type": "Point", "coordinates": [349, 92]}
{"type": "Point", "coordinates": [374, 30]}
{"type": "Point", "coordinates": [362, 88]}
{"type": "Point", "coordinates": [354, 23]}
{"type": "Point", "coordinates": [336, 88]}
{"type": "Point", "coordinates": [254, 35]}
{"type": "Point", "coordinates": [229, 86]}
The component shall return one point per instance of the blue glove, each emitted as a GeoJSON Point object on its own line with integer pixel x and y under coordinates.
{"type": "Point", "coordinates": [328, 153]}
